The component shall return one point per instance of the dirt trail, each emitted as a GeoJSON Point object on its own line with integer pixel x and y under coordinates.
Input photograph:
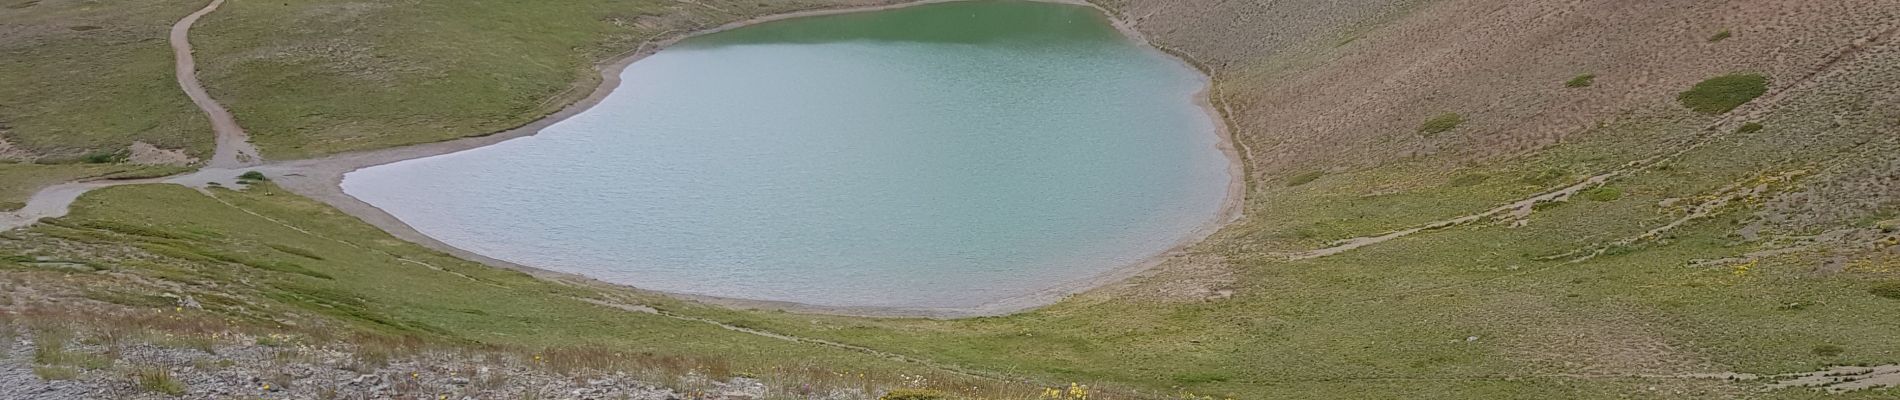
{"type": "Point", "coordinates": [54, 201]}
{"type": "Point", "coordinates": [234, 147]}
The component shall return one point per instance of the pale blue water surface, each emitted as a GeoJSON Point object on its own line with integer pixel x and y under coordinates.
{"type": "Point", "coordinates": [940, 156]}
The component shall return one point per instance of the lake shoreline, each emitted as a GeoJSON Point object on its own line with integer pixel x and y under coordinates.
{"type": "Point", "coordinates": [321, 179]}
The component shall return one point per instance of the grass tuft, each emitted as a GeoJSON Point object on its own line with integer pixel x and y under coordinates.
{"type": "Point", "coordinates": [1585, 80]}
{"type": "Point", "coordinates": [1751, 127]}
{"type": "Point", "coordinates": [55, 373]}
{"type": "Point", "coordinates": [157, 380]}
{"type": "Point", "coordinates": [105, 157]}
{"type": "Point", "coordinates": [1889, 290]}
{"type": "Point", "coordinates": [1440, 124]}
{"type": "Point", "coordinates": [1828, 350]}
{"type": "Point", "coordinates": [253, 176]}
{"type": "Point", "coordinates": [1547, 177]}
{"type": "Point", "coordinates": [1719, 36]}
{"type": "Point", "coordinates": [1304, 178]}
{"type": "Point", "coordinates": [1724, 93]}
{"type": "Point", "coordinates": [1603, 193]}
{"type": "Point", "coordinates": [1468, 180]}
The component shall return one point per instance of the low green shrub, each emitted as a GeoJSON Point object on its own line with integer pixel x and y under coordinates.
{"type": "Point", "coordinates": [1828, 350]}
{"type": "Point", "coordinates": [1440, 123]}
{"type": "Point", "coordinates": [253, 176]}
{"type": "Point", "coordinates": [1719, 36]}
{"type": "Point", "coordinates": [1889, 290]}
{"type": "Point", "coordinates": [1304, 178]}
{"type": "Point", "coordinates": [1547, 177]}
{"type": "Point", "coordinates": [1751, 127]}
{"type": "Point", "coordinates": [1602, 193]}
{"type": "Point", "coordinates": [298, 251]}
{"type": "Point", "coordinates": [1585, 80]}
{"type": "Point", "coordinates": [105, 157]}
{"type": "Point", "coordinates": [1469, 180]}
{"type": "Point", "coordinates": [1723, 93]}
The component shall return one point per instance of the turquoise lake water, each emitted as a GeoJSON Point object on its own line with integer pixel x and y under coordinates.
{"type": "Point", "coordinates": [940, 156]}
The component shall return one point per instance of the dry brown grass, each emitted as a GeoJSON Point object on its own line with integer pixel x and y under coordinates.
{"type": "Point", "coordinates": [1410, 60]}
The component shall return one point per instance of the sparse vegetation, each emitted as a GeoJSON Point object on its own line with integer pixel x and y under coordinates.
{"type": "Point", "coordinates": [1724, 93]}
{"type": "Point", "coordinates": [1547, 177]}
{"type": "Point", "coordinates": [1750, 127]}
{"type": "Point", "coordinates": [55, 373]}
{"type": "Point", "coordinates": [50, 349]}
{"type": "Point", "coordinates": [1602, 193]}
{"type": "Point", "coordinates": [1585, 80]}
{"type": "Point", "coordinates": [1889, 290]}
{"type": "Point", "coordinates": [1203, 377]}
{"type": "Point", "coordinates": [1440, 123]}
{"type": "Point", "coordinates": [105, 157]}
{"type": "Point", "coordinates": [1720, 36]}
{"type": "Point", "coordinates": [1304, 178]}
{"type": "Point", "coordinates": [1828, 350]}
{"type": "Point", "coordinates": [1468, 180]}
{"type": "Point", "coordinates": [157, 380]}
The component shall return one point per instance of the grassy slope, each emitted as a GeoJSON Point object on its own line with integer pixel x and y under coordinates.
{"type": "Point", "coordinates": [1402, 310]}
{"type": "Point", "coordinates": [265, 258]}
{"type": "Point", "coordinates": [312, 77]}
{"type": "Point", "coordinates": [82, 76]}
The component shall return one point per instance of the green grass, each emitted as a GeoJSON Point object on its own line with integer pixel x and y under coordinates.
{"type": "Point", "coordinates": [77, 94]}
{"type": "Point", "coordinates": [51, 348]}
{"type": "Point", "coordinates": [1889, 290]}
{"type": "Point", "coordinates": [1605, 193]}
{"type": "Point", "coordinates": [1723, 93]}
{"type": "Point", "coordinates": [51, 373]}
{"type": "Point", "coordinates": [1720, 36]}
{"type": "Point", "coordinates": [1468, 180]}
{"type": "Point", "coordinates": [1585, 80]}
{"type": "Point", "coordinates": [1828, 350]}
{"type": "Point", "coordinates": [423, 71]}
{"type": "Point", "coordinates": [157, 380]}
{"type": "Point", "coordinates": [1440, 123]}
{"type": "Point", "coordinates": [1750, 127]}
{"type": "Point", "coordinates": [362, 281]}
{"type": "Point", "coordinates": [1304, 178]}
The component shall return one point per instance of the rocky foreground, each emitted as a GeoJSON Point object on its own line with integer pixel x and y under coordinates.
{"type": "Point", "coordinates": [262, 367]}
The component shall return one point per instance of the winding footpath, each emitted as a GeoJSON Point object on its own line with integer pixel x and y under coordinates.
{"type": "Point", "coordinates": [234, 147]}
{"type": "Point", "coordinates": [233, 151]}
